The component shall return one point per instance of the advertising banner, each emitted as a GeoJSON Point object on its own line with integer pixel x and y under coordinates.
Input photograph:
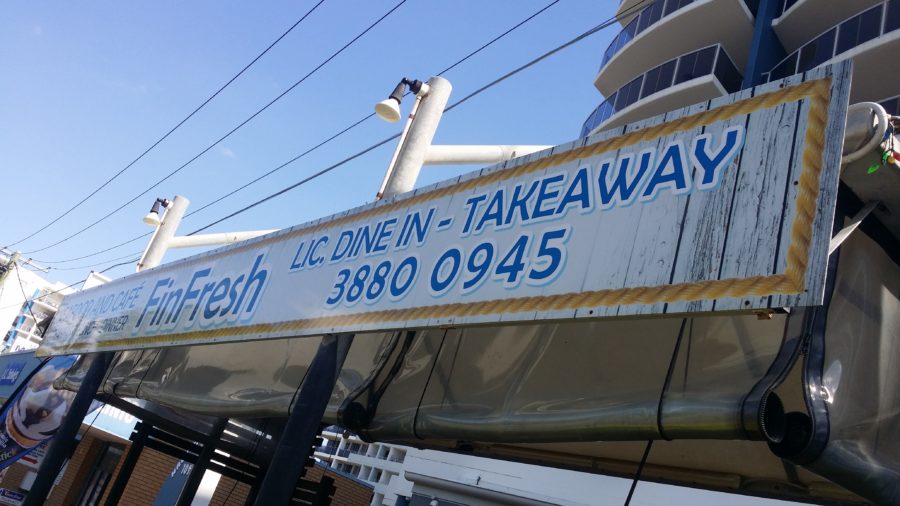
{"type": "Point", "coordinates": [724, 206]}
{"type": "Point", "coordinates": [11, 497]}
{"type": "Point", "coordinates": [34, 414]}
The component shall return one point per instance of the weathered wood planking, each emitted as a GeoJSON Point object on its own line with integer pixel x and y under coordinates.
{"type": "Point", "coordinates": [755, 215]}
{"type": "Point", "coordinates": [659, 229]}
{"type": "Point", "coordinates": [634, 257]}
{"type": "Point", "coordinates": [828, 187]}
{"type": "Point", "coordinates": [700, 254]}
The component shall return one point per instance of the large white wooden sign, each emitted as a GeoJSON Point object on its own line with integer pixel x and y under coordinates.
{"type": "Point", "coordinates": [719, 207]}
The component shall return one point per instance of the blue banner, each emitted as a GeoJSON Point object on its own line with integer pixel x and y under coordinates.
{"type": "Point", "coordinates": [35, 412]}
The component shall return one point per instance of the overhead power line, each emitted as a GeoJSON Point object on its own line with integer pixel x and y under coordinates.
{"type": "Point", "coordinates": [95, 264]}
{"type": "Point", "coordinates": [580, 37]}
{"type": "Point", "coordinates": [314, 148]}
{"type": "Point", "coordinates": [171, 130]}
{"type": "Point", "coordinates": [222, 138]}
{"type": "Point", "coordinates": [459, 102]}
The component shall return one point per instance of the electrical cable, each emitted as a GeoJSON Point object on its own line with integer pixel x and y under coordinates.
{"type": "Point", "coordinates": [177, 125]}
{"type": "Point", "coordinates": [100, 252]}
{"type": "Point", "coordinates": [222, 138]}
{"type": "Point", "coordinates": [468, 97]}
{"type": "Point", "coordinates": [82, 267]}
{"type": "Point", "coordinates": [322, 143]}
{"type": "Point", "coordinates": [659, 406]}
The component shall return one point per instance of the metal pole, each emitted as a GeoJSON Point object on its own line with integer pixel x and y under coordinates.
{"type": "Point", "coordinates": [127, 467]}
{"type": "Point", "coordinates": [159, 243]}
{"type": "Point", "coordinates": [466, 154]}
{"type": "Point", "coordinates": [418, 139]}
{"type": "Point", "coordinates": [64, 442]}
{"type": "Point", "coordinates": [199, 469]}
{"type": "Point", "coordinates": [194, 241]}
{"type": "Point", "coordinates": [302, 426]}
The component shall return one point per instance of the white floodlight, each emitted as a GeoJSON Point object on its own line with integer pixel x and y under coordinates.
{"type": "Point", "coordinates": [152, 218]}
{"type": "Point", "coordinates": [389, 108]}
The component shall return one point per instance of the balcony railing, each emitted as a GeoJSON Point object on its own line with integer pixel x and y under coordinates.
{"type": "Point", "coordinates": [712, 60]}
{"type": "Point", "coordinates": [646, 18]}
{"type": "Point", "coordinates": [326, 449]}
{"type": "Point", "coordinates": [783, 6]}
{"type": "Point", "coordinates": [861, 28]}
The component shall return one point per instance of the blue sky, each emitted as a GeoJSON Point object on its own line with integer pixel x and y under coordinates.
{"type": "Point", "coordinates": [92, 86]}
{"type": "Point", "coordinates": [89, 85]}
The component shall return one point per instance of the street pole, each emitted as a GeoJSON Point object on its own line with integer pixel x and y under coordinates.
{"type": "Point", "coordinates": [418, 139]}
{"type": "Point", "coordinates": [63, 443]}
{"type": "Point", "coordinates": [10, 265]}
{"type": "Point", "coordinates": [302, 426]}
{"type": "Point", "coordinates": [159, 243]}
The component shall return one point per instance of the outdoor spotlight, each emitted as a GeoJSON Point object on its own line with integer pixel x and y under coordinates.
{"type": "Point", "coordinates": [152, 217]}
{"type": "Point", "coordinates": [389, 108]}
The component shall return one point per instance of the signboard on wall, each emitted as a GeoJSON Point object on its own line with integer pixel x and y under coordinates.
{"type": "Point", "coordinates": [34, 414]}
{"type": "Point", "coordinates": [723, 206]}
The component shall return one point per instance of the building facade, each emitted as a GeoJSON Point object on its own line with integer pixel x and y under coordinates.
{"type": "Point", "coordinates": [26, 299]}
{"type": "Point", "coordinates": [378, 464]}
{"type": "Point", "coordinates": [668, 54]}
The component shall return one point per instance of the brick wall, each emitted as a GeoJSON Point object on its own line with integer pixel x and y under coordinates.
{"type": "Point", "coordinates": [77, 472]}
{"type": "Point", "coordinates": [230, 494]}
{"type": "Point", "coordinates": [115, 474]}
{"type": "Point", "coordinates": [14, 476]}
{"type": "Point", "coordinates": [347, 492]}
{"type": "Point", "coordinates": [151, 470]}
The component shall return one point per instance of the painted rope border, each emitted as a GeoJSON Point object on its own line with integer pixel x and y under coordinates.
{"type": "Point", "coordinates": [790, 282]}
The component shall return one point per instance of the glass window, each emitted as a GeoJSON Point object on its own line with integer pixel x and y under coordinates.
{"type": "Point", "coordinates": [869, 24]}
{"type": "Point", "coordinates": [705, 59]}
{"type": "Point", "coordinates": [629, 31]}
{"type": "Point", "coordinates": [817, 52]}
{"type": "Point", "coordinates": [666, 73]}
{"type": "Point", "coordinates": [893, 16]}
{"type": "Point", "coordinates": [685, 70]}
{"type": "Point", "coordinates": [696, 64]}
{"type": "Point", "coordinates": [658, 79]}
{"type": "Point", "coordinates": [848, 34]}
{"type": "Point", "coordinates": [727, 74]}
{"type": "Point", "coordinates": [787, 67]}
{"type": "Point", "coordinates": [650, 15]}
{"type": "Point", "coordinates": [628, 94]}
{"type": "Point", "coordinates": [650, 81]}
{"type": "Point", "coordinates": [892, 106]}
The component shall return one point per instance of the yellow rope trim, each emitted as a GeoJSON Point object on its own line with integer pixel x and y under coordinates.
{"type": "Point", "coordinates": [791, 282]}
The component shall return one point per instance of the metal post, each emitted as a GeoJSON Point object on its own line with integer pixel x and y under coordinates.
{"type": "Point", "coordinates": [418, 139]}
{"type": "Point", "coordinates": [765, 47]}
{"type": "Point", "coordinates": [64, 442]}
{"type": "Point", "coordinates": [197, 471]}
{"type": "Point", "coordinates": [159, 243]}
{"type": "Point", "coordinates": [127, 467]}
{"type": "Point", "coordinates": [302, 426]}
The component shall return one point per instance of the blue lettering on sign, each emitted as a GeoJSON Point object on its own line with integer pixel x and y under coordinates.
{"type": "Point", "coordinates": [670, 172]}
{"type": "Point", "coordinates": [11, 373]}
{"type": "Point", "coordinates": [207, 300]}
{"type": "Point", "coordinates": [536, 259]}
{"type": "Point", "coordinates": [621, 188]}
{"type": "Point", "coordinates": [711, 164]}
